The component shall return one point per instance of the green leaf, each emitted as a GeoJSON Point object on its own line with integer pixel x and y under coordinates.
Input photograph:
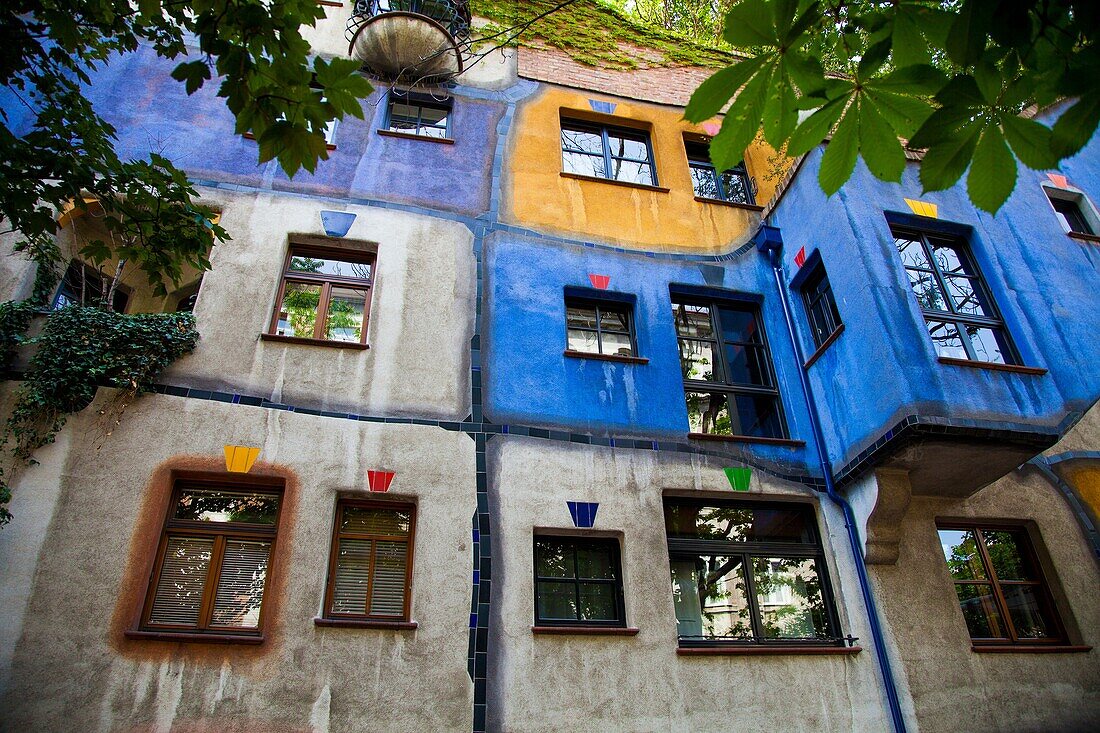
{"type": "Point", "coordinates": [193, 74]}
{"type": "Point", "coordinates": [878, 143]}
{"type": "Point", "coordinates": [989, 80]}
{"type": "Point", "coordinates": [814, 129]}
{"type": "Point", "coordinates": [993, 173]}
{"type": "Point", "coordinates": [749, 24]}
{"type": "Point", "coordinates": [904, 114]}
{"type": "Point", "coordinates": [1076, 125]}
{"type": "Point", "coordinates": [908, 46]}
{"type": "Point", "coordinates": [839, 159]}
{"type": "Point", "coordinates": [946, 161]}
{"type": "Point", "coordinates": [741, 123]}
{"type": "Point", "coordinates": [779, 114]}
{"type": "Point", "coordinates": [1030, 141]}
{"type": "Point", "coordinates": [918, 79]}
{"type": "Point", "coordinates": [967, 39]}
{"type": "Point", "coordinates": [713, 93]}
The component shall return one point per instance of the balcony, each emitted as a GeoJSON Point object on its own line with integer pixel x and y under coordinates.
{"type": "Point", "coordinates": [410, 41]}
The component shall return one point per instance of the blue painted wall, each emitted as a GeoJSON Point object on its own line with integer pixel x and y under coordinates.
{"type": "Point", "coordinates": [883, 367]}
{"type": "Point", "coordinates": [529, 381]}
{"type": "Point", "coordinates": [198, 136]}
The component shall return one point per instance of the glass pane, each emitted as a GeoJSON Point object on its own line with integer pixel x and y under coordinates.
{"type": "Point", "coordinates": [912, 253]}
{"type": "Point", "coordinates": [434, 117]}
{"type": "Point", "coordinates": [557, 600]}
{"type": "Point", "coordinates": [330, 266]}
{"type": "Point", "coordinates": [298, 312]}
{"type": "Point", "coordinates": [586, 341]}
{"type": "Point", "coordinates": [788, 592]}
{"type": "Point", "coordinates": [241, 584]}
{"type": "Point", "coordinates": [746, 365]}
{"type": "Point", "coordinates": [597, 602]}
{"type": "Point", "coordinates": [595, 561]}
{"type": "Point", "coordinates": [583, 164]}
{"type": "Point", "coordinates": [580, 317]}
{"type": "Point", "coordinates": [345, 314]}
{"type": "Point", "coordinates": [737, 523]}
{"type": "Point", "coordinates": [584, 140]}
{"type": "Point", "coordinates": [928, 292]}
{"type": "Point", "coordinates": [964, 296]}
{"type": "Point", "coordinates": [178, 599]}
{"type": "Point", "coordinates": [698, 361]}
{"type": "Point", "coordinates": [946, 339]}
{"type": "Point", "coordinates": [349, 588]}
{"type": "Point", "coordinates": [736, 187]}
{"type": "Point", "coordinates": [757, 416]}
{"type": "Point", "coordinates": [367, 520]}
{"type": "Point", "coordinates": [739, 325]}
{"type": "Point", "coordinates": [553, 559]}
{"type": "Point", "coordinates": [708, 594]}
{"type": "Point", "coordinates": [217, 505]}
{"type": "Point", "coordinates": [387, 597]}
{"type": "Point", "coordinates": [630, 171]}
{"type": "Point", "coordinates": [960, 548]}
{"type": "Point", "coordinates": [989, 344]}
{"type": "Point", "coordinates": [628, 146]}
{"type": "Point", "coordinates": [618, 344]}
{"type": "Point", "coordinates": [980, 611]}
{"type": "Point", "coordinates": [1010, 561]}
{"type": "Point", "coordinates": [614, 320]}
{"type": "Point", "coordinates": [403, 115]}
{"type": "Point", "coordinates": [1030, 615]}
{"type": "Point", "coordinates": [708, 413]}
{"type": "Point", "coordinates": [705, 182]}
{"type": "Point", "coordinates": [438, 132]}
{"type": "Point", "coordinates": [947, 259]}
{"type": "Point", "coordinates": [693, 320]}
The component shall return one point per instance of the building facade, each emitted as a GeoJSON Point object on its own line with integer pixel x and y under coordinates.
{"type": "Point", "coordinates": [518, 416]}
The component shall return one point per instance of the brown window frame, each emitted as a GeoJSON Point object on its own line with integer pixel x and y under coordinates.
{"type": "Point", "coordinates": [221, 532]}
{"type": "Point", "coordinates": [334, 550]}
{"type": "Point", "coordinates": [326, 282]}
{"type": "Point", "coordinates": [1027, 552]}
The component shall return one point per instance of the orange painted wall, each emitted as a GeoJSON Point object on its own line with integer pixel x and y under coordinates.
{"type": "Point", "coordinates": [537, 196]}
{"type": "Point", "coordinates": [1085, 477]}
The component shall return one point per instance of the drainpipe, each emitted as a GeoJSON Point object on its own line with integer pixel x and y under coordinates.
{"type": "Point", "coordinates": [769, 241]}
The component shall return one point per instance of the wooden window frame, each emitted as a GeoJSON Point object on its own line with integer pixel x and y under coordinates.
{"type": "Point", "coordinates": [605, 131]}
{"type": "Point", "coordinates": [421, 102]}
{"type": "Point", "coordinates": [334, 551]}
{"type": "Point", "coordinates": [698, 158]}
{"type": "Point", "coordinates": [1059, 637]}
{"type": "Point", "coordinates": [220, 532]}
{"type": "Point", "coordinates": [616, 582]}
{"type": "Point", "coordinates": [685, 548]}
{"type": "Point", "coordinates": [818, 290]}
{"type": "Point", "coordinates": [726, 386]}
{"type": "Point", "coordinates": [600, 305]}
{"type": "Point", "coordinates": [326, 282]}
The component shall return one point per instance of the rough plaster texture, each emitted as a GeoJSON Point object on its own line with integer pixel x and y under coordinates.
{"type": "Point", "coordinates": [554, 683]}
{"type": "Point", "coordinates": [74, 671]}
{"type": "Point", "coordinates": [1021, 251]}
{"type": "Point", "coordinates": [327, 37]}
{"type": "Point", "coordinates": [954, 688]}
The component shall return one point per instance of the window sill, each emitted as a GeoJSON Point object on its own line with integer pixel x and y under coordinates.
{"type": "Point", "coordinates": [1030, 648]}
{"type": "Point", "coordinates": [824, 346]}
{"type": "Point", "coordinates": [785, 442]}
{"type": "Point", "coordinates": [414, 136]}
{"type": "Point", "coordinates": [312, 342]}
{"type": "Point", "coordinates": [994, 366]}
{"type": "Point", "coordinates": [613, 182]}
{"type": "Point", "coordinates": [699, 651]}
{"type": "Point", "coordinates": [365, 623]}
{"type": "Point", "coordinates": [605, 357]}
{"type": "Point", "coordinates": [731, 204]}
{"type": "Point", "coordinates": [197, 637]}
{"type": "Point", "coordinates": [586, 630]}
{"type": "Point", "coordinates": [1083, 237]}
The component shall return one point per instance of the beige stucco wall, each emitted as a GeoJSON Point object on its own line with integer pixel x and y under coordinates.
{"type": "Point", "coordinates": [327, 37]}
{"type": "Point", "coordinates": [622, 683]}
{"type": "Point", "coordinates": [74, 671]}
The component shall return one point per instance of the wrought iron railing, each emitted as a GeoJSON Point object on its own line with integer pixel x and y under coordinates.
{"type": "Point", "coordinates": [454, 15]}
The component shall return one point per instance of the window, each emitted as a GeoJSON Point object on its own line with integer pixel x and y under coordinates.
{"type": "Point", "coordinates": [817, 294]}
{"type": "Point", "coordinates": [371, 564]}
{"type": "Point", "coordinates": [602, 151]}
{"type": "Point", "coordinates": [84, 285]}
{"type": "Point", "coordinates": [731, 185]}
{"type": "Point", "coordinates": [418, 114]}
{"type": "Point", "coordinates": [211, 568]}
{"type": "Point", "coordinates": [1073, 211]}
{"type": "Point", "coordinates": [961, 317]}
{"type": "Point", "coordinates": [748, 573]}
{"type": "Point", "coordinates": [325, 295]}
{"type": "Point", "coordinates": [578, 582]}
{"type": "Point", "coordinates": [599, 327]}
{"type": "Point", "coordinates": [999, 584]}
{"type": "Point", "coordinates": [728, 380]}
